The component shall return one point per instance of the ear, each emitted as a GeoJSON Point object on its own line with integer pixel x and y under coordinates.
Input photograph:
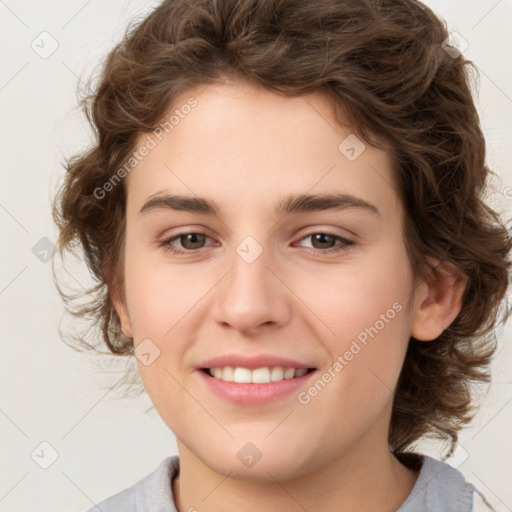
{"type": "Point", "coordinates": [437, 301]}
{"type": "Point", "coordinates": [122, 311]}
{"type": "Point", "coordinates": [117, 297]}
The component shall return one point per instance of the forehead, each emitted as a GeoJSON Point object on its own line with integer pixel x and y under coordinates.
{"type": "Point", "coordinates": [246, 144]}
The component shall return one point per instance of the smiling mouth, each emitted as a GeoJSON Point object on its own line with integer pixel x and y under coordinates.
{"type": "Point", "coordinates": [264, 375]}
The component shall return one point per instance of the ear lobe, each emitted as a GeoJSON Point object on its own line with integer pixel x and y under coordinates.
{"type": "Point", "coordinates": [438, 301]}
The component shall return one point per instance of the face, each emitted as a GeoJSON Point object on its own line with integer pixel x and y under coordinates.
{"type": "Point", "coordinates": [325, 286]}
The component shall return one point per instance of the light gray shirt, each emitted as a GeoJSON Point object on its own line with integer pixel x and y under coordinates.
{"type": "Point", "coordinates": [439, 488]}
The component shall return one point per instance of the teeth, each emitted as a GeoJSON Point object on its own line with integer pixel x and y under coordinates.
{"type": "Point", "coordinates": [256, 376]}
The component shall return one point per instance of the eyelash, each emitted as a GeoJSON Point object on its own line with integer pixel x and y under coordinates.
{"type": "Point", "coordinates": [343, 246]}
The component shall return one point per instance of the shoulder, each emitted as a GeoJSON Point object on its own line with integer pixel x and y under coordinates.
{"type": "Point", "coordinates": [442, 488]}
{"type": "Point", "coordinates": [153, 493]}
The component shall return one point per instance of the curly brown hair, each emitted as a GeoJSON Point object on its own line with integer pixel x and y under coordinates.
{"type": "Point", "coordinates": [383, 65]}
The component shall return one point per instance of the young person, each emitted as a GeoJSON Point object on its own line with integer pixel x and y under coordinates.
{"type": "Point", "coordinates": [283, 212]}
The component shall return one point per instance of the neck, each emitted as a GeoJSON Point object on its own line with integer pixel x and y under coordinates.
{"type": "Point", "coordinates": [370, 479]}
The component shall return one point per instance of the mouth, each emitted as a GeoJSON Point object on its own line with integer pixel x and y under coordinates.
{"type": "Point", "coordinates": [255, 387]}
{"type": "Point", "coordinates": [263, 375]}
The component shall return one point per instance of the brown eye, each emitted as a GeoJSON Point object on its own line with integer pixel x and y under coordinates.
{"type": "Point", "coordinates": [189, 242]}
{"type": "Point", "coordinates": [192, 241]}
{"type": "Point", "coordinates": [327, 243]}
{"type": "Point", "coordinates": [323, 240]}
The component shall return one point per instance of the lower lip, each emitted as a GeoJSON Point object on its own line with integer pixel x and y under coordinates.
{"type": "Point", "coordinates": [253, 394]}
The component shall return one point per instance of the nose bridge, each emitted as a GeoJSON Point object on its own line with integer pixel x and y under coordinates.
{"type": "Point", "coordinates": [251, 295]}
{"type": "Point", "coordinates": [250, 266]}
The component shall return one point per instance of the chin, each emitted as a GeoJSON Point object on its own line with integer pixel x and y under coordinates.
{"type": "Point", "coordinates": [258, 461]}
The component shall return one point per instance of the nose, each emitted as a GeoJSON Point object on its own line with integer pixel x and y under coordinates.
{"type": "Point", "coordinates": [252, 296]}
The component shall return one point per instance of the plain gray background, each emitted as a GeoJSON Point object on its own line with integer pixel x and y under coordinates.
{"type": "Point", "coordinates": [50, 394]}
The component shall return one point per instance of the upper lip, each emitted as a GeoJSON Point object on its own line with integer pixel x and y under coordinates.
{"type": "Point", "coordinates": [252, 362]}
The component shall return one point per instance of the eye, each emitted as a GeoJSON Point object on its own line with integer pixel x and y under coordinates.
{"type": "Point", "coordinates": [323, 242]}
{"type": "Point", "coordinates": [191, 242]}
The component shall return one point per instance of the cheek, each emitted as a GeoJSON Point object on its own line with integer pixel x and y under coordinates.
{"type": "Point", "coordinates": [159, 294]}
{"type": "Point", "coordinates": [364, 311]}
{"type": "Point", "coordinates": [165, 303]}
{"type": "Point", "coordinates": [349, 298]}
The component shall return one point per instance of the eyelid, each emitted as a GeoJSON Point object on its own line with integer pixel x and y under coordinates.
{"type": "Point", "coordinates": [185, 230]}
{"type": "Point", "coordinates": [326, 228]}
{"type": "Point", "coordinates": [326, 232]}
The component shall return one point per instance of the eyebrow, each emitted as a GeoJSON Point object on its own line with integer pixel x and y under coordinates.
{"type": "Point", "coordinates": [293, 203]}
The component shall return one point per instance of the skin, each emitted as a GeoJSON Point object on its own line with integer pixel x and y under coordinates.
{"type": "Point", "coordinates": [246, 148]}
